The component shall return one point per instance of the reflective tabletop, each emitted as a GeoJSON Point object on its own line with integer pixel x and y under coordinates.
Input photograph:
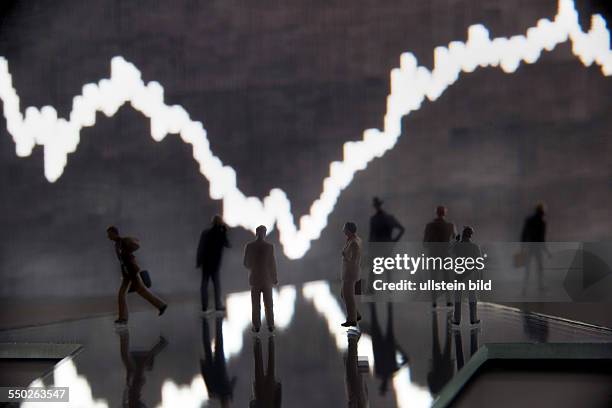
{"type": "Point", "coordinates": [402, 355]}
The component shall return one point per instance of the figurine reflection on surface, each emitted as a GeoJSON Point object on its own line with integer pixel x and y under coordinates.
{"type": "Point", "coordinates": [442, 364]}
{"type": "Point", "coordinates": [213, 366]}
{"type": "Point", "coordinates": [474, 331]}
{"type": "Point", "coordinates": [356, 387]}
{"type": "Point", "coordinates": [385, 348]}
{"type": "Point", "coordinates": [135, 363]}
{"type": "Point", "coordinates": [267, 392]}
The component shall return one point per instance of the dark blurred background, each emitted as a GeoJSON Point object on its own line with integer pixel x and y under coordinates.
{"type": "Point", "coordinates": [279, 87]}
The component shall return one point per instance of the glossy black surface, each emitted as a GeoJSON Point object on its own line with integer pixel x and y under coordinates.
{"type": "Point", "coordinates": [184, 359]}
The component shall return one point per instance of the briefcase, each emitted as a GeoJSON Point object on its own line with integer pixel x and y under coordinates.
{"type": "Point", "coordinates": [146, 279]}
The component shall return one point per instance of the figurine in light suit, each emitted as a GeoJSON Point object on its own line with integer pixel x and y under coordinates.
{"type": "Point", "coordinates": [351, 266]}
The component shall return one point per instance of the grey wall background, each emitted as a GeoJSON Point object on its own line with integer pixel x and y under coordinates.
{"type": "Point", "coordinates": [279, 88]}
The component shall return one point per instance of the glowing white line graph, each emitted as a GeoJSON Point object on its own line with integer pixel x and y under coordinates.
{"type": "Point", "coordinates": [410, 85]}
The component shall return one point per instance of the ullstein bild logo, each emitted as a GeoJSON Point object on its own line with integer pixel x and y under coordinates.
{"type": "Point", "coordinates": [498, 271]}
{"type": "Point", "coordinates": [411, 264]}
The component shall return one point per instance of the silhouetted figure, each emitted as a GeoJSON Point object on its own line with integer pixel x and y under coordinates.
{"type": "Point", "coordinates": [382, 224]}
{"type": "Point", "coordinates": [459, 346]}
{"type": "Point", "coordinates": [210, 251]}
{"type": "Point", "coordinates": [436, 241]}
{"type": "Point", "coordinates": [259, 259]}
{"type": "Point", "coordinates": [442, 365]}
{"type": "Point", "coordinates": [465, 248]}
{"type": "Point", "coordinates": [356, 386]}
{"type": "Point", "coordinates": [130, 271]}
{"type": "Point", "coordinates": [135, 363]}
{"type": "Point", "coordinates": [384, 228]}
{"type": "Point", "coordinates": [534, 235]}
{"type": "Point", "coordinates": [213, 367]}
{"type": "Point", "coordinates": [351, 270]}
{"type": "Point", "coordinates": [267, 392]}
{"type": "Point", "coordinates": [385, 348]}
